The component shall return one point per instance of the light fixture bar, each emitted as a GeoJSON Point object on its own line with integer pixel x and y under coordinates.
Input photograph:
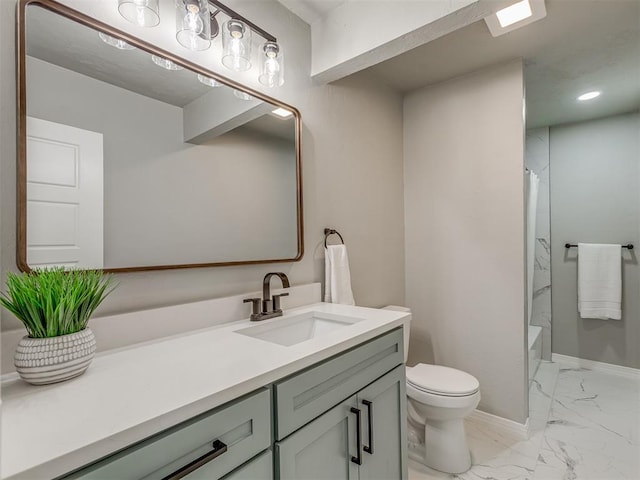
{"type": "Point", "coordinates": [233, 14]}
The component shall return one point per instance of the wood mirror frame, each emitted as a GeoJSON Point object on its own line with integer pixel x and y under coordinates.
{"type": "Point", "coordinates": [90, 22]}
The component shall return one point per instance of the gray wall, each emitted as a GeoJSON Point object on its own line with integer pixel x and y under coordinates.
{"type": "Point", "coordinates": [536, 158]}
{"type": "Point", "coordinates": [595, 198]}
{"type": "Point", "coordinates": [166, 201]}
{"type": "Point", "coordinates": [352, 169]}
{"type": "Point", "coordinates": [464, 198]}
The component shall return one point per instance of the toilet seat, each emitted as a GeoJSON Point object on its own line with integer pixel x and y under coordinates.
{"type": "Point", "coordinates": [442, 401]}
{"type": "Point", "coordinates": [439, 380]}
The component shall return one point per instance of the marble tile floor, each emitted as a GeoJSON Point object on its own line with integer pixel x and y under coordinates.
{"type": "Point", "coordinates": [584, 425]}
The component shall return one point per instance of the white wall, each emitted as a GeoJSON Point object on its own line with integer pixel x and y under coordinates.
{"type": "Point", "coordinates": [595, 198]}
{"type": "Point", "coordinates": [352, 171]}
{"type": "Point", "coordinates": [464, 203]}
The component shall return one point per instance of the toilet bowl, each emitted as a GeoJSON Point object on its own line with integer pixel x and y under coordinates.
{"type": "Point", "coordinates": [438, 400]}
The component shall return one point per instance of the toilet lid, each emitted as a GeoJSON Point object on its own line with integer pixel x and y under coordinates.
{"type": "Point", "coordinates": [442, 380]}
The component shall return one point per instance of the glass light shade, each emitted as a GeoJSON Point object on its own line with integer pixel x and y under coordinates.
{"type": "Point", "coordinates": [193, 24]}
{"type": "Point", "coordinates": [242, 95]}
{"type": "Point", "coordinates": [211, 82]}
{"type": "Point", "coordinates": [236, 46]}
{"type": "Point", "coordinates": [115, 42]}
{"type": "Point", "coordinates": [145, 13]}
{"type": "Point", "coordinates": [165, 63]}
{"type": "Point", "coordinates": [272, 68]}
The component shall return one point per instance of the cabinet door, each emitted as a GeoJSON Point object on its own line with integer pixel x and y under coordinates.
{"type": "Point", "coordinates": [323, 449]}
{"type": "Point", "coordinates": [384, 405]}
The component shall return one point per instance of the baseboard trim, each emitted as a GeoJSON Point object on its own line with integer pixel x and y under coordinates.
{"type": "Point", "coordinates": [500, 424]}
{"type": "Point", "coordinates": [576, 362]}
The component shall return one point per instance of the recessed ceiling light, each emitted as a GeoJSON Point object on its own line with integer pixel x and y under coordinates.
{"type": "Point", "coordinates": [281, 112]}
{"type": "Point", "coordinates": [589, 95]}
{"type": "Point", "coordinates": [514, 13]}
{"type": "Point", "coordinates": [515, 16]}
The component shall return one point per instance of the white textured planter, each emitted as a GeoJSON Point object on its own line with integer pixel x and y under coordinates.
{"type": "Point", "coordinates": [41, 361]}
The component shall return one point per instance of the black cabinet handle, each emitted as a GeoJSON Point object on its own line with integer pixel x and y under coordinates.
{"type": "Point", "coordinates": [218, 449]}
{"type": "Point", "coordinates": [358, 459]}
{"type": "Point", "coordinates": [369, 406]}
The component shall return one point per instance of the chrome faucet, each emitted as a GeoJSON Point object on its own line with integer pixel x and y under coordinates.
{"type": "Point", "coordinates": [264, 313]}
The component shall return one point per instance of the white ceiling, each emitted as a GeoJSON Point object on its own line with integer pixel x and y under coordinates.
{"type": "Point", "coordinates": [311, 10]}
{"type": "Point", "coordinates": [581, 45]}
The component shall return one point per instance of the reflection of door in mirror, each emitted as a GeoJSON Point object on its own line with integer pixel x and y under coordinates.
{"type": "Point", "coordinates": [64, 196]}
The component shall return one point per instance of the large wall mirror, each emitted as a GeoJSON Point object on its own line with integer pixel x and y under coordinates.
{"type": "Point", "coordinates": [127, 165]}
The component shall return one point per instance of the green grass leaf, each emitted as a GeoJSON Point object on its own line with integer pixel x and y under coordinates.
{"type": "Point", "coordinates": [54, 301]}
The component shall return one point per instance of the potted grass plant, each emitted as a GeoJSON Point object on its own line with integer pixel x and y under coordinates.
{"type": "Point", "coordinates": [55, 305]}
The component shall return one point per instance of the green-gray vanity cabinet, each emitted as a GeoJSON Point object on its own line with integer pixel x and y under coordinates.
{"type": "Point", "coordinates": [331, 447]}
{"type": "Point", "coordinates": [362, 434]}
{"type": "Point", "coordinates": [343, 418]}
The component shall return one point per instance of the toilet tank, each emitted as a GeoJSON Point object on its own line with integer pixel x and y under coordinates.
{"type": "Point", "coordinates": [406, 326]}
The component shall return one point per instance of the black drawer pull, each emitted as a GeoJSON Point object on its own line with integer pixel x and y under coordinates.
{"type": "Point", "coordinates": [369, 405]}
{"type": "Point", "coordinates": [218, 449]}
{"type": "Point", "coordinates": [358, 459]}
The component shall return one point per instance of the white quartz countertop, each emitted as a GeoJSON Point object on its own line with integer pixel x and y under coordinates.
{"type": "Point", "coordinates": [129, 394]}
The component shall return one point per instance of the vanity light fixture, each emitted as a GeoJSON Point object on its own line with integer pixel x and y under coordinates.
{"type": "Point", "coordinates": [236, 45]}
{"type": "Point", "coordinates": [210, 82]}
{"type": "Point", "coordinates": [165, 63]}
{"type": "Point", "coordinates": [589, 95]}
{"type": "Point", "coordinates": [115, 42]}
{"type": "Point", "coordinates": [145, 13]}
{"type": "Point", "coordinates": [197, 26]}
{"type": "Point", "coordinates": [193, 24]}
{"type": "Point", "coordinates": [272, 70]}
{"type": "Point", "coordinates": [282, 112]}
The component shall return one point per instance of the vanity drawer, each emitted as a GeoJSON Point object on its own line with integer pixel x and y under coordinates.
{"type": "Point", "coordinates": [306, 395]}
{"type": "Point", "coordinates": [243, 427]}
{"type": "Point", "coordinates": [260, 468]}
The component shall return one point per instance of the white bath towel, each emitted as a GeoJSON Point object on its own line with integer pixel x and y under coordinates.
{"type": "Point", "coordinates": [337, 287]}
{"type": "Point", "coordinates": [600, 281]}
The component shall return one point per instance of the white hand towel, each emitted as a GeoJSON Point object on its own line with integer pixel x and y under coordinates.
{"type": "Point", "coordinates": [600, 281]}
{"type": "Point", "coordinates": [337, 287]}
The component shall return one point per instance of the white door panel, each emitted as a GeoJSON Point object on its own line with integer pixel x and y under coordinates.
{"type": "Point", "coordinates": [52, 224]}
{"type": "Point", "coordinates": [64, 195]}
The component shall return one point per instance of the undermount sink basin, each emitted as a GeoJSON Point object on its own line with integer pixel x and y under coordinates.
{"type": "Point", "coordinates": [295, 329]}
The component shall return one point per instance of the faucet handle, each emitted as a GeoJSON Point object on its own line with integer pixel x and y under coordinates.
{"type": "Point", "coordinates": [255, 306]}
{"type": "Point", "coordinates": [265, 305]}
{"type": "Point", "coordinates": [276, 301]}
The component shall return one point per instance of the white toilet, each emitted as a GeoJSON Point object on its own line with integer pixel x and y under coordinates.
{"type": "Point", "coordinates": [438, 399]}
